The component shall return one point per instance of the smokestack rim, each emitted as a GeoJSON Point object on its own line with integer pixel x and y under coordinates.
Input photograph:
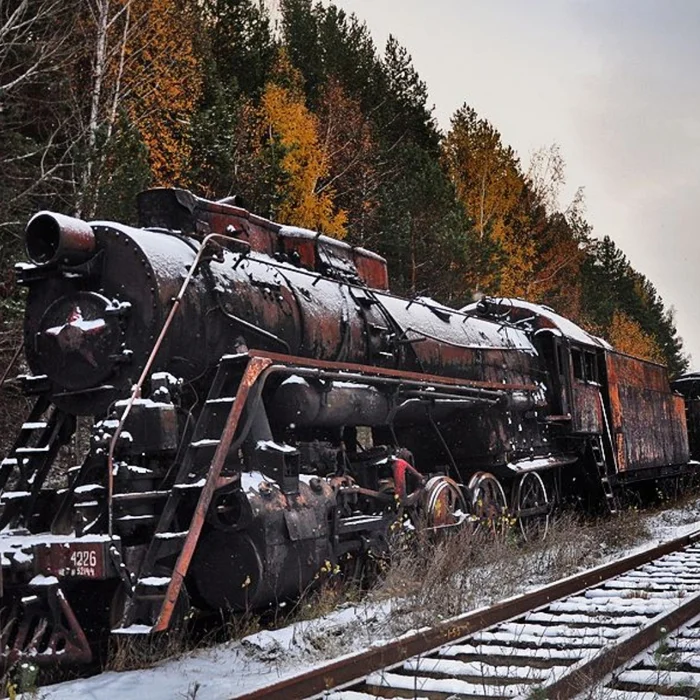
{"type": "Point", "coordinates": [50, 237]}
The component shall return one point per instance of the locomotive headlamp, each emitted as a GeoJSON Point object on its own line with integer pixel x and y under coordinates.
{"type": "Point", "coordinates": [52, 238]}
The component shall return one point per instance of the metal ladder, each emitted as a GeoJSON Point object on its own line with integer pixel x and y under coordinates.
{"type": "Point", "coordinates": [602, 469]}
{"type": "Point", "coordinates": [31, 457]}
{"type": "Point", "coordinates": [159, 581]}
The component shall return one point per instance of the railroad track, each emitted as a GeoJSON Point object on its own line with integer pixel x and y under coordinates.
{"type": "Point", "coordinates": [635, 622]}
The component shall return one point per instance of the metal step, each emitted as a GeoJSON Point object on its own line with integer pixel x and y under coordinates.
{"type": "Point", "coordinates": [171, 535]}
{"type": "Point", "coordinates": [205, 442]}
{"type": "Point", "coordinates": [30, 460]}
{"type": "Point", "coordinates": [166, 547]}
{"type": "Point", "coordinates": [219, 401]}
{"type": "Point", "coordinates": [136, 496]}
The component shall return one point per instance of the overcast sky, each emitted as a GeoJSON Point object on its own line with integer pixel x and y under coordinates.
{"type": "Point", "coordinates": [616, 83]}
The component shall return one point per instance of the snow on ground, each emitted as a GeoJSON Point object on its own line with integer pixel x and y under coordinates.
{"type": "Point", "coordinates": [235, 668]}
{"type": "Point", "coordinates": [670, 524]}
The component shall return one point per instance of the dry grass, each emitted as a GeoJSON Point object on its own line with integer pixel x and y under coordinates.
{"type": "Point", "coordinates": [129, 652]}
{"type": "Point", "coordinates": [429, 580]}
{"type": "Point", "coordinates": [425, 580]}
{"type": "Point", "coordinates": [21, 681]}
{"type": "Point", "coordinates": [238, 625]}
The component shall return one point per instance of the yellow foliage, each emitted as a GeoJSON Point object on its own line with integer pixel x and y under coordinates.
{"type": "Point", "coordinates": [626, 335]}
{"type": "Point", "coordinates": [488, 182]}
{"type": "Point", "coordinates": [163, 80]}
{"type": "Point", "coordinates": [304, 202]}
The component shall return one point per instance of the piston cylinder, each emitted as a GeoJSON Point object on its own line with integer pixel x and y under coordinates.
{"type": "Point", "coordinates": [328, 404]}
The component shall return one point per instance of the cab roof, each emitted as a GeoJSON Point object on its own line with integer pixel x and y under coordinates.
{"type": "Point", "coordinates": [533, 317]}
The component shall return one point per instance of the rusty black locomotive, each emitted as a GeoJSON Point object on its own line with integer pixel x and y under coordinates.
{"type": "Point", "coordinates": [261, 405]}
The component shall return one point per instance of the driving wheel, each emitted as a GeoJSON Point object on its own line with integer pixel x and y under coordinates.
{"type": "Point", "coordinates": [444, 503]}
{"type": "Point", "coordinates": [532, 507]}
{"type": "Point", "coordinates": [488, 503]}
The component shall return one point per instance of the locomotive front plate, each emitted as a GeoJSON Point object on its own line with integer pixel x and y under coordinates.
{"type": "Point", "coordinates": [73, 559]}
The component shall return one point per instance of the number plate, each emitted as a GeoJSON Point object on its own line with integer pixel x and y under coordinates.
{"type": "Point", "coordinates": [72, 559]}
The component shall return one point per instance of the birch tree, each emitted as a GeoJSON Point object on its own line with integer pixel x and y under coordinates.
{"type": "Point", "coordinates": [145, 76]}
{"type": "Point", "coordinates": [109, 28]}
{"type": "Point", "coordinates": [34, 49]}
{"type": "Point", "coordinates": [488, 182]}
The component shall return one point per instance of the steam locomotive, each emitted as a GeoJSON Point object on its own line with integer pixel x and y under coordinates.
{"type": "Point", "coordinates": [262, 408]}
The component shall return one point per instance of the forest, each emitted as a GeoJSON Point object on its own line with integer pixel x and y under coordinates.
{"type": "Point", "coordinates": [311, 124]}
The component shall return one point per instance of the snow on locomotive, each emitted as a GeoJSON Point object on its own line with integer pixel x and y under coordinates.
{"type": "Point", "coordinates": [264, 406]}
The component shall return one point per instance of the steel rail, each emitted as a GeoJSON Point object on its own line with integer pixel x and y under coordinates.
{"type": "Point", "coordinates": [352, 669]}
{"type": "Point", "coordinates": [590, 671]}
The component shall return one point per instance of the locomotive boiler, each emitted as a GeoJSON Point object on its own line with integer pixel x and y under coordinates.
{"type": "Point", "coordinates": [262, 408]}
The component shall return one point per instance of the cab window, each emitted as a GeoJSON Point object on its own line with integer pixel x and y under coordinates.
{"type": "Point", "coordinates": [591, 366]}
{"type": "Point", "coordinates": [577, 364]}
{"type": "Point", "coordinates": [584, 365]}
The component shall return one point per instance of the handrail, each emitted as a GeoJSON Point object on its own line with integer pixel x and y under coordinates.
{"type": "Point", "coordinates": [14, 359]}
{"type": "Point", "coordinates": [136, 388]}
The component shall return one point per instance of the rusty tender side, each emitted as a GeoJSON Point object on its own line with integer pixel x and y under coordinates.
{"type": "Point", "coordinates": [263, 410]}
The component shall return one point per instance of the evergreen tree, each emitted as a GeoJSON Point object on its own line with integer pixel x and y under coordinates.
{"type": "Point", "coordinates": [238, 52]}
{"type": "Point", "coordinates": [300, 28]}
{"type": "Point", "coordinates": [104, 98]}
{"type": "Point", "coordinates": [127, 172]}
{"type": "Point", "coordinates": [403, 112]}
{"type": "Point", "coordinates": [423, 228]}
{"type": "Point", "coordinates": [240, 47]}
{"type": "Point", "coordinates": [616, 296]}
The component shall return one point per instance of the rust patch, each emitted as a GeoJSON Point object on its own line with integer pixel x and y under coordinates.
{"type": "Point", "coordinates": [181, 210]}
{"type": "Point", "coordinates": [42, 626]}
{"type": "Point", "coordinates": [587, 414]}
{"type": "Point", "coordinates": [648, 421]}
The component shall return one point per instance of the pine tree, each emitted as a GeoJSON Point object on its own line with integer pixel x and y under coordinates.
{"type": "Point", "coordinates": [611, 287]}
{"type": "Point", "coordinates": [240, 48]}
{"type": "Point", "coordinates": [300, 28]}
{"type": "Point", "coordinates": [238, 52]}
{"type": "Point", "coordinates": [403, 113]}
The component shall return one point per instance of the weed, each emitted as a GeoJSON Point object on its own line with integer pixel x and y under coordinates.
{"type": "Point", "coordinates": [21, 679]}
{"type": "Point", "coordinates": [128, 652]}
{"type": "Point", "coordinates": [423, 579]}
{"type": "Point", "coordinates": [664, 658]}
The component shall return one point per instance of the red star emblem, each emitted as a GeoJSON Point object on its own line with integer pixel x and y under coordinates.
{"type": "Point", "coordinates": [72, 334]}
